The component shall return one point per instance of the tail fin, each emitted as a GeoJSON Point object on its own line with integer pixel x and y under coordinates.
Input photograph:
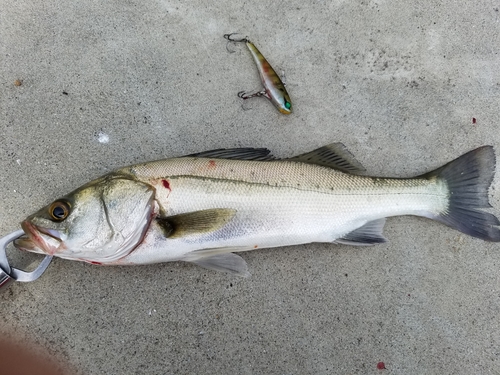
{"type": "Point", "coordinates": [469, 178]}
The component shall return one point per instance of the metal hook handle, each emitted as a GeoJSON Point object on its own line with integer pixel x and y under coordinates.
{"type": "Point", "coordinates": [7, 272]}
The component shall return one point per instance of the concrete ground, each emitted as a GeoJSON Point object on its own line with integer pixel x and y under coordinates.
{"type": "Point", "coordinates": [107, 84]}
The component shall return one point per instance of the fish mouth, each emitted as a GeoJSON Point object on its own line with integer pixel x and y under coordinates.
{"type": "Point", "coordinates": [284, 111]}
{"type": "Point", "coordinates": [39, 239]}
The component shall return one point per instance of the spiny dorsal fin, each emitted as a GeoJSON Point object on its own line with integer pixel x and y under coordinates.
{"type": "Point", "coordinates": [247, 153]}
{"type": "Point", "coordinates": [197, 222]}
{"type": "Point", "coordinates": [334, 156]}
{"type": "Point", "coordinates": [368, 234]}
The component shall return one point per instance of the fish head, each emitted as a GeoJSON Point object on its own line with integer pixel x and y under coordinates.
{"type": "Point", "coordinates": [285, 105]}
{"type": "Point", "coordinates": [100, 222]}
{"type": "Point", "coordinates": [280, 98]}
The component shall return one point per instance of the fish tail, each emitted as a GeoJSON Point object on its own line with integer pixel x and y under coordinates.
{"type": "Point", "coordinates": [468, 179]}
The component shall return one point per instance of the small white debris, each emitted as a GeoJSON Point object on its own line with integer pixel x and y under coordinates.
{"type": "Point", "coordinates": [18, 161]}
{"type": "Point", "coordinates": [102, 137]}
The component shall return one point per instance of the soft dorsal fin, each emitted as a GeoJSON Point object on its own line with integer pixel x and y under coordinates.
{"type": "Point", "coordinates": [368, 234]}
{"type": "Point", "coordinates": [334, 156]}
{"type": "Point", "coordinates": [236, 154]}
{"type": "Point", "coordinates": [197, 222]}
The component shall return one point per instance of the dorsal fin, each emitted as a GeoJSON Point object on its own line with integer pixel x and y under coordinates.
{"type": "Point", "coordinates": [334, 156]}
{"type": "Point", "coordinates": [247, 153]}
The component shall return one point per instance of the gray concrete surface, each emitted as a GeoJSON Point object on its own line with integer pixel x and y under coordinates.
{"type": "Point", "coordinates": [106, 84]}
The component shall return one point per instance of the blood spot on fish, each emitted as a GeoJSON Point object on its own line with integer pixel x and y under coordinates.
{"type": "Point", "coordinates": [474, 120]}
{"type": "Point", "coordinates": [166, 184]}
{"type": "Point", "coordinates": [256, 246]}
{"type": "Point", "coordinates": [94, 262]}
{"type": "Point", "coordinates": [211, 164]}
{"type": "Point", "coordinates": [381, 366]}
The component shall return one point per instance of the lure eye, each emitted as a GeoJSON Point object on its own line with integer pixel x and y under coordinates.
{"type": "Point", "coordinates": [59, 210]}
{"type": "Point", "coordinates": [288, 105]}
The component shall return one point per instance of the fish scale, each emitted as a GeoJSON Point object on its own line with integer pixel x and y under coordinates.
{"type": "Point", "coordinates": [274, 173]}
{"type": "Point", "coordinates": [273, 210]}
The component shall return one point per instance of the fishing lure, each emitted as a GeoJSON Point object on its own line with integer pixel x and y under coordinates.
{"type": "Point", "coordinates": [274, 88]}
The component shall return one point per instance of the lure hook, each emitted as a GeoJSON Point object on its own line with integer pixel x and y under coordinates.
{"type": "Point", "coordinates": [232, 40]}
{"type": "Point", "coordinates": [8, 273]}
{"type": "Point", "coordinates": [247, 95]}
{"type": "Point", "coordinates": [236, 40]}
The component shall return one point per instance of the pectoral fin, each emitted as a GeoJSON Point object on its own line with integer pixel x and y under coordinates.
{"type": "Point", "coordinates": [220, 259]}
{"type": "Point", "coordinates": [368, 234]}
{"type": "Point", "coordinates": [197, 222]}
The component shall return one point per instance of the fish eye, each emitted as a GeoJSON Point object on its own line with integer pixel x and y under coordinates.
{"type": "Point", "coordinates": [59, 210]}
{"type": "Point", "coordinates": [288, 105]}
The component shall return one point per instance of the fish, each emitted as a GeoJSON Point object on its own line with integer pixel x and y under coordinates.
{"type": "Point", "coordinates": [204, 208]}
{"type": "Point", "coordinates": [274, 88]}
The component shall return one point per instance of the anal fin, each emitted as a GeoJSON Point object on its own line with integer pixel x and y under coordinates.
{"type": "Point", "coordinates": [368, 234]}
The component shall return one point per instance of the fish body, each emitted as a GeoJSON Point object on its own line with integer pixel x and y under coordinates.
{"type": "Point", "coordinates": [274, 88]}
{"type": "Point", "coordinates": [203, 208]}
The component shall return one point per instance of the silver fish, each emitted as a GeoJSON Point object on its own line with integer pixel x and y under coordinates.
{"type": "Point", "coordinates": [203, 208]}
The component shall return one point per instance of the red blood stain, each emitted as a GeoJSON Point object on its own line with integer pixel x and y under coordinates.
{"type": "Point", "coordinates": [474, 120]}
{"type": "Point", "coordinates": [211, 164]}
{"type": "Point", "coordinates": [94, 262]}
{"type": "Point", "coordinates": [381, 366]}
{"type": "Point", "coordinates": [166, 184]}
{"type": "Point", "coordinates": [256, 246]}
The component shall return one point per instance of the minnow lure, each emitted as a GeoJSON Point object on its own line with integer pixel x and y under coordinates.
{"type": "Point", "coordinates": [274, 88]}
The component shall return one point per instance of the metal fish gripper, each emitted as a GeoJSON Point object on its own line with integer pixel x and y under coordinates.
{"type": "Point", "coordinates": [7, 272]}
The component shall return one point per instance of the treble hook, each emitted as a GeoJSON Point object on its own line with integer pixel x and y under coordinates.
{"type": "Point", "coordinates": [231, 39]}
{"type": "Point", "coordinates": [8, 273]}
{"type": "Point", "coordinates": [236, 40]}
